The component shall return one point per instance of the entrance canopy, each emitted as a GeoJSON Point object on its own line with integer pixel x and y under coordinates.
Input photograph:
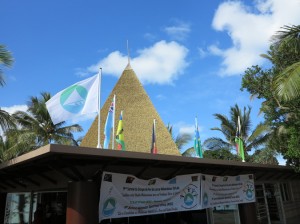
{"type": "Point", "coordinates": [51, 167]}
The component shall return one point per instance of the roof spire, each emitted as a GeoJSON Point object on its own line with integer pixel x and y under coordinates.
{"type": "Point", "coordinates": [128, 52]}
{"type": "Point", "coordinates": [128, 67]}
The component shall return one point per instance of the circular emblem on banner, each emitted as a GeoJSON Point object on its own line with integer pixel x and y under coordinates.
{"type": "Point", "coordinates": [189, 196]}
{"type": "Point", "coordinates": [73, 98]}
{"type": "Point", "coordinates": [249, 190]}
{"type": "Point", "coordinates": [109, 207]}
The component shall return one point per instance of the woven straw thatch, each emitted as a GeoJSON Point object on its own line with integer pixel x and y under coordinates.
{"type": "Point", "coordinates": [138, 115]}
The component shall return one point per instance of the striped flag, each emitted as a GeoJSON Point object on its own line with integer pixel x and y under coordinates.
{"type": "Point", "coordinates": [120, 134]}
{"type": "Point", "coordinates": [109, 124]}
{"type": "Point", "coordinates": [197, 141]}
{"type": "Point", "coordinates": [153, 143]}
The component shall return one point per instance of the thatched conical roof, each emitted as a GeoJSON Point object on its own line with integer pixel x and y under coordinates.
{"type": "Point", "coordinates": [138, 115]}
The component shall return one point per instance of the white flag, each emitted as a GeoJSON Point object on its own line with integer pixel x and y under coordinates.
{"type": "Point", "coordinates": [78, 99]}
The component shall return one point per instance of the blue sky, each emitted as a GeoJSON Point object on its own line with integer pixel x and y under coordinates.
{"type": "Point", "coordinates": [189, 55]}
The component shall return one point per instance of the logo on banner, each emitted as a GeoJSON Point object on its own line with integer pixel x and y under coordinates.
{"type": "Point", "coordinates": [249, 190]}
{"type": "Point", "coordinates": [109, 207]}
{"type": "Point", "coordinates": [189, 197]}
{"type": "Point", "coordinates": [205, 199]}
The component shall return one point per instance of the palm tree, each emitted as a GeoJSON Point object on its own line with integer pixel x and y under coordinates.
{"type": "Point", "coordinates": [228, 128]}
{"type": "Point", "coordinates": [6, 120]}
{"type": "Point", "coordinates": [181, 139]}
{"type": "Point", "coordinates": [5, 60]}
{"type": "Point", "coordinates": [37, 121]}
{"type": "Point", "coordinates": [14, 143]}
{"type": "Point", "coordinates": [287, 83]}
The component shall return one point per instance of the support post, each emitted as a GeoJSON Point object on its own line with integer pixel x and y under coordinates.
{"type": "Point", "coordinates": [248, 213]}
{"type": "Point", "coordinates": [2, 205]}
{"type": "Point", "coordinates": [82, 203]}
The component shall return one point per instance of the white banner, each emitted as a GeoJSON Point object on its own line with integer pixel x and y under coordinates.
{"type": "Point", "coordinates": [227, 190]}
{"type": "Point", "coordinates": [124, 195]}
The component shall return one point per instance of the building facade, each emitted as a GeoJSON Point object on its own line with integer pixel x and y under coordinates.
{"type": "Point", "coordinates": [65, 181]}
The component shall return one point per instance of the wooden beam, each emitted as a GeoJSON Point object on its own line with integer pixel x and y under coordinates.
{"type": "Point", "coordinates": [18, 182]}
{"type": "Point", "coordinates": [49, 179]}
{"type": "Point", "coordinates": [64, 173]}
{"type": "Point", "coordinates": [77, 173]}
{"type": "Point", "coordinates": [8, 184]}
{"type": "Point", "coordinates": [2, 187]}
{"type": "Point", "coordinates": [28, 179]}
{"type": "Point", "coordinates": [143, 170]}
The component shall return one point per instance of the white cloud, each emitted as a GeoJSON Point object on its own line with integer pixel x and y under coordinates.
{"type": "Point", "coordinates": [250, 30]}
{"type": "Point", "coordinates": [179, 31]}
{"type": "Point", "coordinates": [15, 108]}
{"type": "Point", "coordinates": [150, 36]}
{"type": "Point", "coordinates": [187, 130]}
{"type": "Point", "coordinates": [161, 63]}
{"type": "Point", "coordinates": [82, 73]}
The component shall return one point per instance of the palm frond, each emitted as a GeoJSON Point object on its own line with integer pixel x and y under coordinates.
{"type": "Point", "coordinates": [267, 56]}
{"type": "Point", "coordinates": [182, 139]}
{"type": "Point", "coordinates": [6, 120]}
{"type": "Point", "coordinates": [215, 144]}
{"type": "Point", "coordinates": [288, 37]}
{"type": "Point", "coordinates": [6, 59]}
{"type": "Point", "coordinates": [190, 152]}
{"type": "Point", "coordinates": [287, 83]}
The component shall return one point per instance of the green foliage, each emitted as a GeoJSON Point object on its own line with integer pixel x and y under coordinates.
{"type": "Point", "coordinates": [288, 82]}
{"type": "Point", "coordinates": [190, 152]}
{"type": "Point", "coordinates": [252, 139]}
{"type": "Point", "coordinates": [223, 154]}
{"type": "Point", "coordinates": [293, 145]}
{"type": "Point", "coordinates": [15, 143]}
{"type": "Point", "coordinates": [278, 88]}
{"type": "Point", "coordinates": [286, 58]}
{"type": "Point", "coordinates": [6, 120]}
{"type": "Point", "coordinates": [5, 60]}
{"type": "Point", "coordinates": [264, 156]}
{"type": "Point", "coordinates": [34, 129]}
{"type": "Point", "coordinates": [181, 139]}
{"type": "Point", "coordinates": [37, 121]}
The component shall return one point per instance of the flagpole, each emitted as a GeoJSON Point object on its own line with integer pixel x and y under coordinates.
{"type": "Point", "coordinates": [196, 140]}
{"type": "Point", "coordinates": [128, 52]}
{"type": "Point", "coordinates": [99, 105]}
{"type": "Point", "coordinates": [154, 125]}
{"type": "Point", "coordinates": [113, 124]}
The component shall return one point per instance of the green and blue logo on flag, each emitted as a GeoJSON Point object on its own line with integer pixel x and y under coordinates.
{"type": "Point", "coordinates": [78, 99]}
{"type": "Point", "coordinates": [73, 98]}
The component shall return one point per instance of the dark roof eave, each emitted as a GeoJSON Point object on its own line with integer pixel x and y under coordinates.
{"type": "Point", "coordinates": [95, 152]}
